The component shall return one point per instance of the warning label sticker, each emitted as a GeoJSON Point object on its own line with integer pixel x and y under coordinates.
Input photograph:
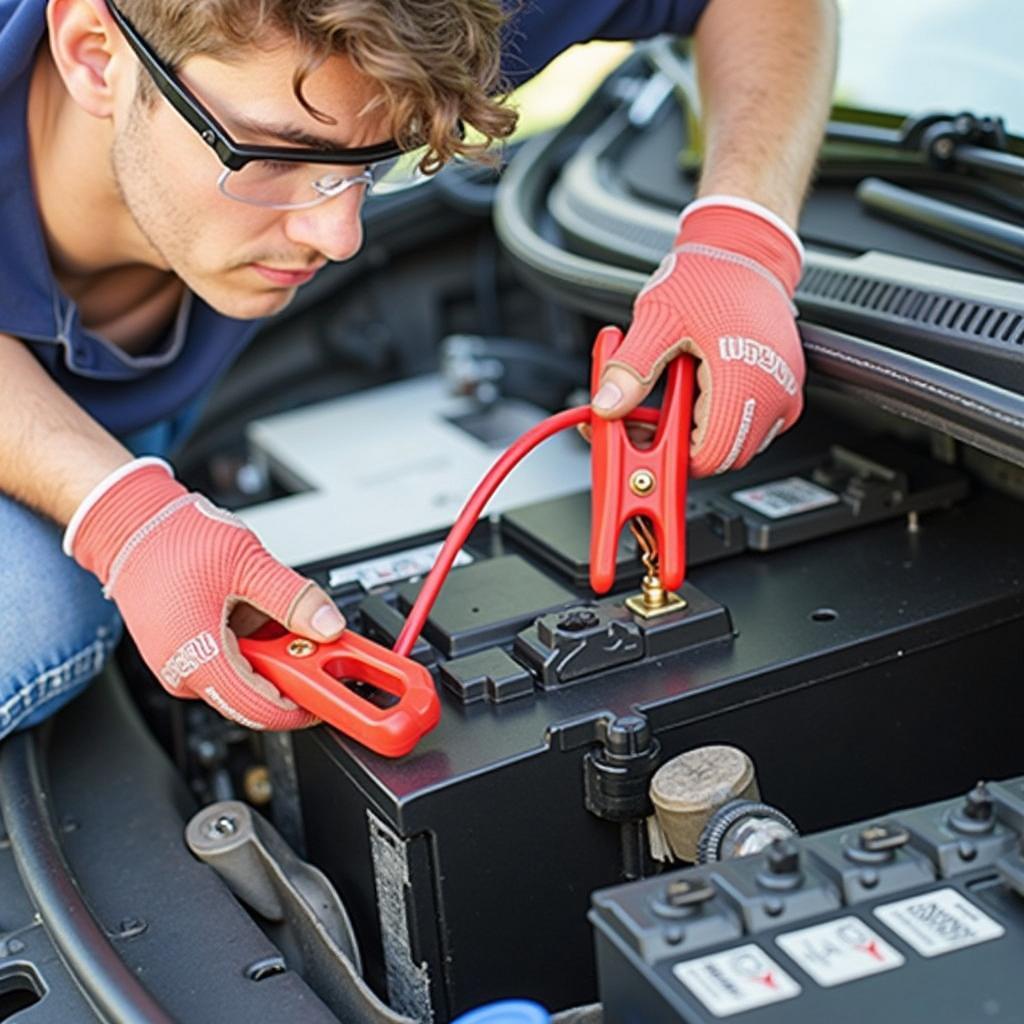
{"type": "Point", "coordinates": [788, 497]}
{"type": "Point", "coordinates": [939, 922]}
{"type": "Point", "coordinates": [840, 951]}
{"type": "Point", "coordinates": [736, 980]}
{"type": "Point", "coordinates": [391, 568]}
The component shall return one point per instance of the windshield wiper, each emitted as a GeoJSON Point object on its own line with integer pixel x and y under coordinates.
{"type": "Point", "coordinates": [990, 236]}
{"type": "Point", "coordinates": [948, 142]}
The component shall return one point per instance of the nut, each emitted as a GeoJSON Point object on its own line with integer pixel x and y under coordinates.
{"type": "Point", "coordinates": [642, 482]}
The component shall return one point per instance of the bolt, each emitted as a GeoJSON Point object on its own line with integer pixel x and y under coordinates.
{"type": "Point", "coordinates": [944, 148]}
{"type": "Point", "coordinates": [654, 594]}
{"type": "Point", "coordinates": [976, 814]}
{"type": "Point", "coordinates": [300, 648]}
{"type": "Point", "coordinates": [222, 826]}
{"type": "Point", "coordinates": [578, 619]}
{"type": "Point", "coordinates": [783, 857]}
{"type": "Point", "coordinates": [208, 137]}
{"type": "Point", "coordinates": [628, 735]}
{"type": "Point", "coordinates": [978, 803]}
{"type": "Point", "coordinates": [773, 907]}
{"type": "Point", "coordinates": [674, 935]}
{"type": "Point", "coordinates": [869, 878]}
{"type": "Point", "coordinates": [15, 946]}
{"type": "Point", "coordinates": [642, 482]}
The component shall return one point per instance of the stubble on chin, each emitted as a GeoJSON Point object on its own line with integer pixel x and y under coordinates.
{"type": "Point", "coordinates": [170, 228]}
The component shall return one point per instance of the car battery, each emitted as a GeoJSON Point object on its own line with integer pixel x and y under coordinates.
{"type": "Point", "coordinates": [859, 620]}
{"type": "Point", "coordinates": [916, 916]}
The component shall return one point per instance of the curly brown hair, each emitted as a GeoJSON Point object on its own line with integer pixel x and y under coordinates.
{"type": "Point", "coordinates": [438, 62]}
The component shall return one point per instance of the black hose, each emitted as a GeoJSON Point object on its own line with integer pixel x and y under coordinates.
{"type": "Point", "coordinates": [109, 984]}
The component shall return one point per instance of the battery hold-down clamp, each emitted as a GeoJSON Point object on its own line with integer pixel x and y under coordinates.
{"type": "Point", "coordinates": [384, 699]}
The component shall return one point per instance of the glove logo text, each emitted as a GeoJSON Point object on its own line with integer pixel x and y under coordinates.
{"type": "Point", "coordinates": [188, 657]}
{"type": "Point", "coordinates": [733, 348]}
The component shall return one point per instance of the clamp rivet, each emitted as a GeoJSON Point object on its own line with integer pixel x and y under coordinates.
{"type": "Point", "coordinates": [300, 648]}
{"type": "Point", "coordinates": [642, 482]}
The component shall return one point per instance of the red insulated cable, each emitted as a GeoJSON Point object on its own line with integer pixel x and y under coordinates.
{"type": "Point", "coordinates": [474, 508]}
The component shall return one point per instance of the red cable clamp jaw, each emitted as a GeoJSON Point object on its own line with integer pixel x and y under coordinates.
{"type": "Point", "coordinates": [310, 674]}
{"type": "Point", "coordinates": [628, 481]}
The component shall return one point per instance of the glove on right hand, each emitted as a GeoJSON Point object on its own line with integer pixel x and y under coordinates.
{"type": "Point", "coordinates": [176, 565]}
{"type": "Point", "coordinates": [723, 296]}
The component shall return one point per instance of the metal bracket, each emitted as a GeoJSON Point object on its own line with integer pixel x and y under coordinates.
{"type": "Point", "coordinates": [264, 873]}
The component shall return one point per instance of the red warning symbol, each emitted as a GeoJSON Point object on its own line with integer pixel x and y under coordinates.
{"type": "Point", "coordinates": [872, 950]}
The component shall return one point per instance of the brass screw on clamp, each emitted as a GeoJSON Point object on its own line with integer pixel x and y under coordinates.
{"type": "Point", "coordinates": [653, 599]}
{"type": "Point", "coordinates": [642, 482]}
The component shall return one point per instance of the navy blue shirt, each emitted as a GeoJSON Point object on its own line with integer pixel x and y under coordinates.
{"type": "Point", "coordinates": [127, 392]}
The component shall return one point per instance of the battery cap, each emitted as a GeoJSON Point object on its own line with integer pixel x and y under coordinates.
{"type": "Point", "coordinates": [688, 789]}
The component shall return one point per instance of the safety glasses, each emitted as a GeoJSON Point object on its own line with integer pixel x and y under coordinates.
{"type": "Point", "coordinates": [279, 177]}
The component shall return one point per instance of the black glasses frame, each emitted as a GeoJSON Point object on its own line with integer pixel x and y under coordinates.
{"type": "Point", "coordinates": [230, 153]}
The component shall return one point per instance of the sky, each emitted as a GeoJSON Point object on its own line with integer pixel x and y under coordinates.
{"type": "Point", "coordinates": [916, 56]}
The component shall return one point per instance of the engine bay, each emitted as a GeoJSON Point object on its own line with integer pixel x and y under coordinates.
{"type": "Point", "coordinates": [846, 645]}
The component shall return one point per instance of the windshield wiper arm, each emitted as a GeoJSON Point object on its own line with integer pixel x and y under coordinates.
{"type": "Point", "coordinates": [988, 235]}
{"type": "Point", "coordinates": [947, 142]}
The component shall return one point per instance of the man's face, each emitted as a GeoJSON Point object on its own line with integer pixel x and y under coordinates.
{"type": "Point", "coordinates": [245, 261]}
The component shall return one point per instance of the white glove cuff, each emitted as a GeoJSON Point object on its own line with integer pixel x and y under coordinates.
{"type": "Point", "coordinates": [738, 203]}
{"type": "Point", "coordinates": [100, 489]}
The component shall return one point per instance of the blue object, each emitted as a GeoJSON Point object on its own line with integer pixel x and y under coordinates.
{"type": "Point", "coordinates": [509, 1011]}
{"type": "Point", "coordinates": [125, 392]}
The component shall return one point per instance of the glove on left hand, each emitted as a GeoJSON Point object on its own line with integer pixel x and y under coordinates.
{"type": "Point", "coordinates": [178, 567]}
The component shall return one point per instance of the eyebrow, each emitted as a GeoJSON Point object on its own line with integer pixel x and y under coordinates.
{"type": "Point", "coordinates": [286, 133]}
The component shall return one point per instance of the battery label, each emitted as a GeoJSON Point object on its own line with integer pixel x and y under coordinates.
{"type": "Point", "coordinates": [782, 498]}
{"type": "Point", "coordinates": [736, 980]}
{"type": "Point", "coordinates": [394, 568]}
{"type": "Point", "coordinates": [840, 951]}
{"type": "Point", "coordinates": [939, 922]}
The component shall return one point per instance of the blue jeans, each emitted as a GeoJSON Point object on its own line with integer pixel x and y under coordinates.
{"type": "Point", "coordinates": [56, 628]}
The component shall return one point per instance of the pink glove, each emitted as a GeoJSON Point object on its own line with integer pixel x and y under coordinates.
{"type": "Point", "coordinates": [176, 566]}
{"type": "Point", "coordinates": [723, 295]}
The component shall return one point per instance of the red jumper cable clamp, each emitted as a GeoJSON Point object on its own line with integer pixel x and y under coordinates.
{"type": "Point", "coordinates": [650, 483]}
{"type": "Point", "coordinates": [382, 699]}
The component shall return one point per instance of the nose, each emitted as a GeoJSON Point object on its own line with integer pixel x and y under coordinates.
{"type": "Point", "coordinates": [334, 228]}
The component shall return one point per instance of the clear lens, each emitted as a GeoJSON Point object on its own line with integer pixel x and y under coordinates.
{"type": "Point", "coordinates": [398, 173]}
{"type": "Point", "coordinates": [289, 186]}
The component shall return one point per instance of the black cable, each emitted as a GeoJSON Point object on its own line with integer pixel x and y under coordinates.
{"type": "Point", "coordinates": [108, 983]}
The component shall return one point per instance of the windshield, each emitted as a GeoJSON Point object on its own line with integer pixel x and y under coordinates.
{"type": "Point", "coordinates": [924, 56]}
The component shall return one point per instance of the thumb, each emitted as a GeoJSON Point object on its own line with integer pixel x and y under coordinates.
{"type": "Point", "coordinates": [621, 391]}
{"type": "Point", "coordinates": [316, 617]}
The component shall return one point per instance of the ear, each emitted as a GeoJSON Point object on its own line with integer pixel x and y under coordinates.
{"type": "Point", "coordinates": [90, 54]}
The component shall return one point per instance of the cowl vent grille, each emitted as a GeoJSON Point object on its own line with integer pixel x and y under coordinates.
{"type": "Point", "coordinates": [966, 319]}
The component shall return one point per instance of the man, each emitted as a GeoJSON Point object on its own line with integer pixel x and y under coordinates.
{"type": "Point", "coordinates": [150, 216]}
